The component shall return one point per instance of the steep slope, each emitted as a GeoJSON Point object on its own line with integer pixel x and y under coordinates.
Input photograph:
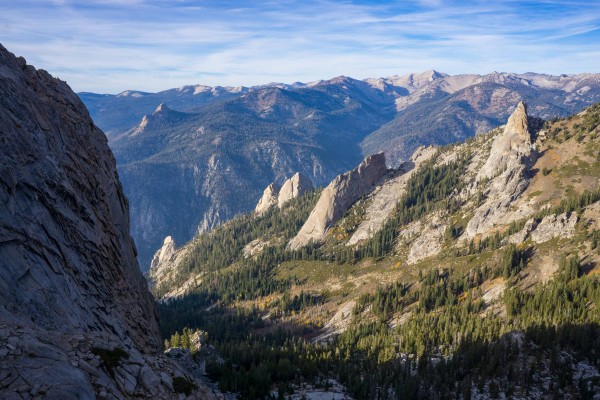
{"type": "Point", "coordinates": [433, 302]}
{"type": "Point", "coordinates": [384, 199]}
{"type": "Point", "coordinates": [76, 317]}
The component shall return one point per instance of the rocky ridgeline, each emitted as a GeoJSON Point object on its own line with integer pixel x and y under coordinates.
{"type": "Point", "coordinates": [337, 197]}
{"type": "Point", "coordinates": [77, 319]}
{"type": "Point", "coordinates": [294, 187]}
{"type": "Point", "coordinates": [214, 160]}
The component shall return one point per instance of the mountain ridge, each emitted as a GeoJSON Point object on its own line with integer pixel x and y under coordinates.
{"type": "Point", "coordinates": [320, 128]}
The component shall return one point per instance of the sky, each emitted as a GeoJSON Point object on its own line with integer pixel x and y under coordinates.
{"type": "Point", "coordinates": [108, 46]}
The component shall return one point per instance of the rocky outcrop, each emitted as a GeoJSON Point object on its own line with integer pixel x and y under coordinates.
{"type": "Point", "coordinates": [385, 198]}
{"type": "Point", "coordinates": [428, 242]}
{"type": "Point", "coordinates": [166, 252]}
{"type": "Point", "coordinates": [509, 149]}
{"type": "Point", "coordinates": [551, 226]}
{"type": "Point", "coordinates": [524, 233]}
{"type": "Point", "coordinates": [337, 197]}
{"type": "Point", "coordinates": [70, 285]}
{"type": "Point", "coordinates": [268, 199]}
{"type": "Point", "coordinates": [294, 187]}
{"type": "Point", "coordinates": [506, 168]}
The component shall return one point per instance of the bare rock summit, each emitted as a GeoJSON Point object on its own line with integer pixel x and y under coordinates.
{"type": "Point", "coordinates": [509, 148]}
{"type": "Point", "coordinates": [294, 187]}
{"type": "Point", "coordinates": [506, 169]}
{"type": "Point", "coordinates": [337, 197]}
{"type": "Point", "coordinates": [163, 254]}
{"type": "Point", "coordinates": [268, 199]}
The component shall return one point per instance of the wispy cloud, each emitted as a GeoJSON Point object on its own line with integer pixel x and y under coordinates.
{"type": "Point", "coordinates": [113, 45]}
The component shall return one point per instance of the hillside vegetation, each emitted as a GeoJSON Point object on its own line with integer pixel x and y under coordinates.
{"type": "Point", "coordinates": [438, 303]}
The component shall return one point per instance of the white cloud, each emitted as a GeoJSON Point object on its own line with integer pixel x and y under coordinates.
{"type": "Point", "coordinates": [110, 45]}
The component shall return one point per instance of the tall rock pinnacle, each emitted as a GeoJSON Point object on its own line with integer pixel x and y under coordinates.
{"type": "Point", "coordinates": [268, 199]}
{"type": "Point", "coordinates": [506, 167]}
{"type": "Point", "coordinates": [294, 187]}
{"type": "Point", "coordinates": [509, 147]}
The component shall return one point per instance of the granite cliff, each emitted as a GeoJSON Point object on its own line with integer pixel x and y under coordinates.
{"type": "Point", "coordinates": [292, 188]}
{"type": "Point", "coordinates": [76, 318]}
{"type": "Point", "coordinates": [337, 197]}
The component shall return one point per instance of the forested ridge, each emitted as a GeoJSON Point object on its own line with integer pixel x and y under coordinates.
{"type": "Point", "coordinates": [487, 317]}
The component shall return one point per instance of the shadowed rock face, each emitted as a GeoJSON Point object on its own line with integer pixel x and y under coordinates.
{"type": "Point", "coordinates": [64, 222]}
{"type": "Point", "coordinates": [69, 279]}
{"type": "Point", "coordinates": [337, 197]}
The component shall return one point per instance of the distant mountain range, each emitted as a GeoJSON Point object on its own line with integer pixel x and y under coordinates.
{"type": "Point", "coordinates": [193, 157]}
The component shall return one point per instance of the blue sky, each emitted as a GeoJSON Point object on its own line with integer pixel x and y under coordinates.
{"type": "Point", "coordinates": [108, 46]}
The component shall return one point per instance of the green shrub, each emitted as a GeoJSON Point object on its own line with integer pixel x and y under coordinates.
{"type": "Point", "coordinates": [110, 358]}
{"type": "Point", "coordinates": [546, 171]}
{"type": "Point", "coordinates": [182, 385]}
